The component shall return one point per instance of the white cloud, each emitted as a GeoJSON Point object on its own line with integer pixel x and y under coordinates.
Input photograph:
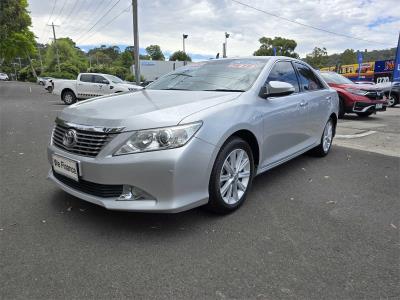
{"type": "Point", "coordinates": [163, 22]}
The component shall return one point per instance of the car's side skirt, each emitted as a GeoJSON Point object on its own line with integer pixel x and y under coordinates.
{"type": "Point", "coordinates": [287, 158]}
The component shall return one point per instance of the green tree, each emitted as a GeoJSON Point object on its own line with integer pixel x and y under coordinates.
{"type": "Point", "coordinates": [318, 58]}
{"type": "Point", "coordinates": [71, 58]}
{"type": "Point", "coordinates": [180, 55]}
{"type": "Point", "coordinates": [154, 51]}
{"type": "Point", "coordinates": [125, 59]}
{"type": "Point", "coordinates": [15, 37]}
{"type": "Point", "coordinates": [349, 56]}
{"type": "Point", "coordinates": [283, 47]}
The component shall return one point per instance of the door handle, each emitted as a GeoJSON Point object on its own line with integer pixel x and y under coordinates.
{"type": "Point", "coordinates": [303, 104]}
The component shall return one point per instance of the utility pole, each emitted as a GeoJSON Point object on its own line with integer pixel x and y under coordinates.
{"type": "Point", "coordinates": [15, 70]}
{"type": "Point", "coordinates": [226, 45]}
{"type": "Point", "coordinates": [40, 57]}
{"type": "Point", "coordinates": [184, 37]}
{"type": "Point", "coordinates": [136, 41]}
{"type": "Point", "coordinates": [19, 58]}
{"type": "Point", "coordinates": [55, 43]}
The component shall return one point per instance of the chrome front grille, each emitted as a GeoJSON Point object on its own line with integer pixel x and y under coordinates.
{"type": "Point", "coordinates": [375, 95]}
{"type": "Point", "coordinates": [88, 143]}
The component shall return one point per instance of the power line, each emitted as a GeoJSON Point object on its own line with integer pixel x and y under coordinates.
{"type": "Point", "coordinates": [306, 25]}
{"type": "Point", "coordinates": [48, 20]}
{"type": "Point", "coordinates": [77, 29]}
{"type": "Point", "coordinates": [107, 12]}
{"type": "Point", "coordinates": [112, 20]}
{"type": "Point", "coordinates": [60, 12]}
{"type": "Point", "coordinates": [70, 12]}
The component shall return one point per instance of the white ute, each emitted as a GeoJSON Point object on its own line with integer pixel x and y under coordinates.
{"type": "Point", "coordinates": [89, 85]}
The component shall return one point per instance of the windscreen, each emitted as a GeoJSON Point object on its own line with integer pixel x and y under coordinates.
{"type": "Point", "coordinates": [335, 78]}
{"type": "Point", "coordinates": [115, 79]}
{"type": "Point", "coordinates": [216, 75]}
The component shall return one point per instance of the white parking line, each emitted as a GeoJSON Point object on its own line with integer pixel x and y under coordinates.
{"type": "Point", "coordinates": [354, 136]}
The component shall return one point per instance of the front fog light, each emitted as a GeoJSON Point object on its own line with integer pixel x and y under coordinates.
{"type": "Point", "coordinates": [130, 193]}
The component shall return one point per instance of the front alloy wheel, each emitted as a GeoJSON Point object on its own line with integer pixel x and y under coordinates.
{"type": "Point", "coordinates": [231, 176]}
{"type": "Point", "coordinates": [392, 100]}
{"type": "Point", "coordinates": [68, 97]}
{"type": "Point", "coordinates": [234, 176]}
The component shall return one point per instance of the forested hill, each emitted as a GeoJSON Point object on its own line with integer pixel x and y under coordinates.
{"type": "Point", "coordinates": [350, 57]}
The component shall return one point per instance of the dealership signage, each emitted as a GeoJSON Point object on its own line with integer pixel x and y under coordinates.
{"type": "Point", "coordinates": [396, 71]}
{"type": "Point", "coordinates": [359, 60]}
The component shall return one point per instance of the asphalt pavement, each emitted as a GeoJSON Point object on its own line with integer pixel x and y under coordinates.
{"type": "Point", "coordinates": [313, 228]}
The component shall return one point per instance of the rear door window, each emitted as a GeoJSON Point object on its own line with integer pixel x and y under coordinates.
{"type": "Point", "coordinates": [284, 71]}
{"type": "Point", "coordinates": [308, 80]}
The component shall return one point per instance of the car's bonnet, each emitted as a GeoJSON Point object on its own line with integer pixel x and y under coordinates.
{"type": "Point", "coordinates": [365, 87]}
{"type": "Point", "coordinates": [142, 109]}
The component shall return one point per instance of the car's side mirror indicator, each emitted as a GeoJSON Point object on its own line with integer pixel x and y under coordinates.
{"type": "Point", "coordinates": [276, 89]}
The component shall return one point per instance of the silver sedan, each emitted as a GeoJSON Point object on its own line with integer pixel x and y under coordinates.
{"type": "Point", "coordinates": [196, 136]}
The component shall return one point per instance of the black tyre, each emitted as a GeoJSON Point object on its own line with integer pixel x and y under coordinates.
{"type": "Point", "coordinates": [68, 97]}
{"type": "Point", "coordinates": [326, 140]}
{"type": "Point", "coordinates": [49, 89]}
{"type": "Point", "coordinates": [231, 176]}
{"type": "Point", "coordinates": [392, 99]}
{"type": "Point", "coordinates": [364, 114]}
{"type": "Point", "coordinates": [341, 108]}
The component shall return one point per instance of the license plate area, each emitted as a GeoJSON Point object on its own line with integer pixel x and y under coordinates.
{"type": "Point", "coordinates": [65, 166]}
{"type": "Point", "coordinates": [378, 106]}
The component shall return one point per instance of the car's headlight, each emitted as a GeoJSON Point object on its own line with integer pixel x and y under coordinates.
{"type": "Point", "coordinates": [159, 138]}
{"type": "Point", "coordinates": [357, 92]}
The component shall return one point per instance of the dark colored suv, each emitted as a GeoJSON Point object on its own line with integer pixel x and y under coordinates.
{"type": "Point", "coordinates": [362, 99]}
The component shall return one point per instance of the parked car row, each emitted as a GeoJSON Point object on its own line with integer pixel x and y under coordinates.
{"type": "Point", "coordinates": [361, 99]}
{"type": "Point", "coordinates": [89, 85]}
{"type": "Point", "coordinates": [4, 76]}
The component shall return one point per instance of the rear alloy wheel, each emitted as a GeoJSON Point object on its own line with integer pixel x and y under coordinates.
{"type": "Point", "coordinates": [231, 176]}
{"type": "Point", "coordinates": [326, 140]}
{"type": "Point", "coordinates": [68, 97]}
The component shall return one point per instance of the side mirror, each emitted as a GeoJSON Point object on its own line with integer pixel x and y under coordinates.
{"type": "Point", "coordinates": [105, 81]}
{"type": "Point", "coordinates": [111, 87]}
{"type": "Point", "coordinates": [276, 89]}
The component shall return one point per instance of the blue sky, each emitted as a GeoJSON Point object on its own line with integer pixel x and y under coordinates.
{"type": "Point", "coordinates": [163, 22]}
{"type": "Point", "coordinates": [383, 20]}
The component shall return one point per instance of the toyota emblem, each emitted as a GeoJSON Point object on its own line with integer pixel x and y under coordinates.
{"type": "Point", "coordinates": [70, 138]}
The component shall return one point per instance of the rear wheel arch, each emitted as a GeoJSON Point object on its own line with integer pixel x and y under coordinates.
{"type": "Point", "coordinates": [334, 120]}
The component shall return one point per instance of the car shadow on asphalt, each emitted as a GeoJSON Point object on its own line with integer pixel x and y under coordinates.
{"type": "Point", "coordinates": [87, 214]}
{"type": "Point", "coordinates": [371, 118]}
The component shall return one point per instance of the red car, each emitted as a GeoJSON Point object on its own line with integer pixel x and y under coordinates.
{"type": "Point", "coordinates": [362, 99]}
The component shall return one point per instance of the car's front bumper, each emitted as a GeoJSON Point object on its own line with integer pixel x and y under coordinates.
{"type": "Point", "coordinates": [361, 107]}
{"type": "Point", "coordinates": [177, 179]}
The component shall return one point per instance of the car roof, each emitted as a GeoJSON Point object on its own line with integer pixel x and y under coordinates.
{"type": "Point", "coordinates": [96, 74]}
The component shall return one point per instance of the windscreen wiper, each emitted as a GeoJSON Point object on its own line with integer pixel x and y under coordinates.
{"type": "Point", "coordinates": [224, 90]}
{"type": "Point", "coordinates": [174, 89]}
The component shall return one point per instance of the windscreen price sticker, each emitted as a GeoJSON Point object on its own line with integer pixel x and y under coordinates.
{"type": "Point", "coordinates": [66, 167]}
